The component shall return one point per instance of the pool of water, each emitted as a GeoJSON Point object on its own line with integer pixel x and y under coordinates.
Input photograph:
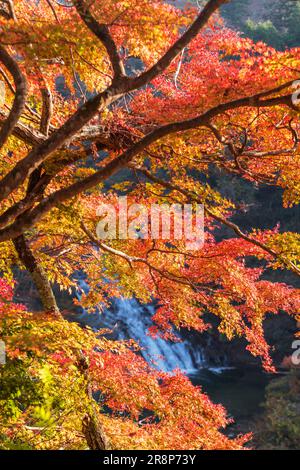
{"type": "Point", "coordinates": [240, 391]}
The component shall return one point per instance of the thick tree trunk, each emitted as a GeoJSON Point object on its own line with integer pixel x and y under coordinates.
{"type": "Point", "coordinates": [93, 433]}
{"type": "Point", "coordinates": [91, 425]}
{"type": "Point", "coordinates": [38, 275]}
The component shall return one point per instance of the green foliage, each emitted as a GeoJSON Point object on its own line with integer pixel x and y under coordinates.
{"type": "Point", "coordinates": [281, 425]}
{"type": "Point", "coordinates": [235, 12]}
{"type": "Point", "coordinates": [276, 22]}
{"type": "Point", "coordinates": [18, 389]}
{"type": "Point", "coordinates": [264, 31]}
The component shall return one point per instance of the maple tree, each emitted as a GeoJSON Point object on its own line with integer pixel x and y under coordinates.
{"type": "Point", "coordinates": [76, 114]}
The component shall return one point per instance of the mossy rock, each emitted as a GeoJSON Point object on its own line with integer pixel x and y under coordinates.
{"type": "Point", "coordinates": [280, 426]}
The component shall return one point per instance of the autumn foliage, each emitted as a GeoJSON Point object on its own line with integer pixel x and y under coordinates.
{"type": "Point", "coordinates": [144, 408]}
{"type": "Point", "coordinates": [99, 102]}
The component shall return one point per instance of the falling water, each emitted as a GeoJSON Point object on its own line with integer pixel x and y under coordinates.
{"type": "Point", "coordinates": [127, 318]}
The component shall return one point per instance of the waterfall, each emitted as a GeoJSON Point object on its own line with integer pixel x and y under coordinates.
{"type": "Point", "coordinates": [128, 319]}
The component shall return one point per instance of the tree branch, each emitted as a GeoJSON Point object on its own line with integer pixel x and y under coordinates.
{"type": "Point", "coordinates": [231, 225]}
{"type": "Point", "coordinates": [20, 97]}
{"type": "Point", "coordinates": [47, 107]}
{"type": "Point", "coordinates": [38, 155]}
{"type": "Point", "coordinates": [101, 31]}
{"type": "Point", "coordinates": [163, 63]}
{"type": "Point", "coordinates": [8, 14]}
{"type": "Point", "coordinates": [134, 259]}
{"type": "Point", "coordinates": [86, 112]}
{"type": "Point", "coordinates": [126, 157]}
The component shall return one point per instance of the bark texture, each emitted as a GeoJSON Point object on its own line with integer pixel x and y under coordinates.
{"type": "Point", "coordinates": [38, 275]}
